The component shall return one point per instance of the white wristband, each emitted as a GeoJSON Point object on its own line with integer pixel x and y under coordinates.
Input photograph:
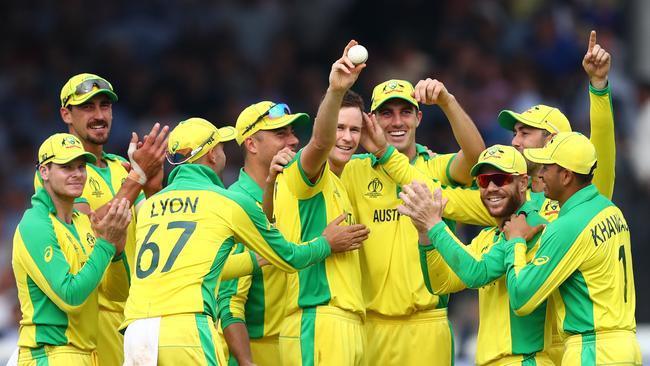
{"type": "Point", "coordinates": [134, 166]}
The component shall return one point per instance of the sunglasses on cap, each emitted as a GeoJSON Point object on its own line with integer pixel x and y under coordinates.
{"type": "Point", "coordinates": [87, 86]}
{"type": "Point", "coordinates": [178, 158]}
{"type": "Point", "coordinates": [499, 179]}
{"type": "Point", "coordinates": [276, 111]}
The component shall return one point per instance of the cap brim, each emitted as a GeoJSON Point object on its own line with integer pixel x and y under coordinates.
{"type": "Point", "coordinates": [540, 155]}
{"type": "Point", "coordinates": [227, 133]}
{"type": "Point", "coordinates": [477, 167]}
{"type": "Point", "coordinates": [274, 124]}
{"type": "Point", "coordinates": [90, 158]}
{"type": "Point", "coordinates": [507, 119]}
{"type": "Point", "coordinates": [409, 100]}
{"type": "Point", "coordinates": [74, 101]}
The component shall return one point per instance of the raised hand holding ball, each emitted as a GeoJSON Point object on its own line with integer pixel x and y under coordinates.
{"type": "Point", "coordinates": [358, 54]}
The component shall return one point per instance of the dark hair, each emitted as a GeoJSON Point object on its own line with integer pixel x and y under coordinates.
{"type": "Point", "coordinates": [585, 179]}
{"type": "Point", "coordinates": [353, 99]}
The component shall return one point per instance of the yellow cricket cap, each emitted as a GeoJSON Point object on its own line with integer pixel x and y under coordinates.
{"type": "Point", "coordinates": [193, 138]}
{"type": "Point", "coordinates": [265, 116]}
{"type": "Point", "coordinates": [570, 150]}
{"type": "Point", "coordinates": [84, 86]}
{"type": "Point", "coordinates": [539, 116]}
{"type": "Point", "coordinates": [62, 148]}
{"type": "Point", "coordinates": [505, 158]}
{"type": "Point", "coordinates": [392, 89]}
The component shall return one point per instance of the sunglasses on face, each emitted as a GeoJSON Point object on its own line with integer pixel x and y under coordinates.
{"type": "Point", "coordinates": [178, 158]}
{"type": "Point", "coordinates": [88, 86]}
{"type": "Point", "coordinates": [499, 179]}
{"type": "Point", "coordinates": [276, 111]}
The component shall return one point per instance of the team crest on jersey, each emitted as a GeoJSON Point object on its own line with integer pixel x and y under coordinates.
{"type": "Point", "coordinates": [551, 207]}
{"type": "Point", "coordinates": [48, 254]}
{"type": "Point", "coordinates": [90, 239]}
{"type": "Point", "coordinates": [375, 186]}
{"type": "Point", "coordinates": [94, 185]}
{"type": "Point", "coordinates": [541, 260]}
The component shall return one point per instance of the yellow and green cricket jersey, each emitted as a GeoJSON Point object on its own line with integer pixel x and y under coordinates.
{"type": "Point", "coordinates": [450, 266]}
{"type": "Point", "coordinates": [58, 269]}
{"type": "Point", "coordinates": [102, 184]}
{"type": "Point", "coordinates": [258, 299]}
{"type": "Point", "coordinates": [302, 210]}
{"type": "Point", "coordinates": [185, 233]}
{"type": "Point", "coordinates": [585, 255]}
{"type": "Point", "coordinates": [392, 281]}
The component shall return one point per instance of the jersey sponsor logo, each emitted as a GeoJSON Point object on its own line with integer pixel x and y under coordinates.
{"type": "Point", "coordinates": [47, 255]}
{"type": "Point", "coordinates": [94, 185]}
{"type": "Point", "coordinates": [375, 186]}
{"type": "Point", "coordinates": [541, 260]}
{"type": "Point", "coordinates": [174, 205]}
{"type": "Point", "coordinates": [90, 239]}
{"type": "Point", "coordinates": [607, 228]}
{"type": "Point", "coordinates": [385, 215]}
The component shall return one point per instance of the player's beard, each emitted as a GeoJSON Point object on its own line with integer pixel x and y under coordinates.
{"type": "Point", "coordinates": [93, 137]}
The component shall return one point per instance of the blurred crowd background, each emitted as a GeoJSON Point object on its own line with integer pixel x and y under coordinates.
{"type": "Point", "coordinates": [170, 60]}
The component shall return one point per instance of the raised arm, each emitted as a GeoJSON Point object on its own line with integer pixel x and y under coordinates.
{"type": "Point", "coordinates": [597, 63]}
{"type": "Point", "coordinates": [469, 139]}
{"type": "Point", "coordinates": [464, 204]}
{"type": "Point", "coordinates": [341, 78]}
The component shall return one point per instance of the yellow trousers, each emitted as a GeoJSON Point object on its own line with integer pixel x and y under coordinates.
{"type": "Point", "coordinates": [423, 338]}
{"type": "Point", "coordinates": [323, 335]}
{"type": "Point", "coordinates": [618, 347]}
{"type": "Point", "coordinates": [56, 356]}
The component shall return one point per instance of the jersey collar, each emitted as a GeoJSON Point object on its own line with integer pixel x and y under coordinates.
{"type": "Point", "coordinates": [194, 173]}
{"type": "Point", "coordinates": [421, 151]}
{"type": "Point", "coordinates": [250, 186]}
{"type": "Point", "coordinates": [585, 194]}
{"type": "Point", "coordinates": [42, 198]}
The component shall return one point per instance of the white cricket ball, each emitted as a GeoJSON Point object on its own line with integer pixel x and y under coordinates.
{"type": "Point", "coordinates": [358, 54]}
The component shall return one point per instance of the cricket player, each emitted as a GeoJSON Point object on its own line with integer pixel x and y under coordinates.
{"type": "Point", "coordinates": [59, 259]}
{"type": "Point", "coordinates": [503, 337]}
{"type": "Point", "coordinates": [185, 234]}
{"type": "Point", "coordinates": [324, 304]}
{"type": "Point", "coordinates": [402, 315]}
{"type": "Point", "coordinates": [584, 260]}
{"type": "Point", "coordinates": [252, 307]}
{"type": "Point", "coordinates": [533, 128]}
{"type": "Point", "coordinates": [86, 107]}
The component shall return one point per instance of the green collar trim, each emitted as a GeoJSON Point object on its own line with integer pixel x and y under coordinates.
{"type": "Point", "coordinates": [194, 173]}
{"type": "Point", "coordinates": [249, 185]}
{"type": "Point", "coordinates": [42, 198]}
{"type": "Point", "coordinates": [422, 151]}
{"type": "Point", "coordinates": [585, 194]}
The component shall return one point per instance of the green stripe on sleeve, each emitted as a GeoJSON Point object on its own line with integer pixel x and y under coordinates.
{"type": "Point", "coordinates": [207, 343]}
{"type": "Point", "coordinates": [209, 284]}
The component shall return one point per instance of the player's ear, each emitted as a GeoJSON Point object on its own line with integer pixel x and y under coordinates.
{"type": "Point", "coordinates": [66, 115]}
{"type": "Point", "coordinates": [251, 145]}
{"type": "Point", "coordinates": [44, 170]}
